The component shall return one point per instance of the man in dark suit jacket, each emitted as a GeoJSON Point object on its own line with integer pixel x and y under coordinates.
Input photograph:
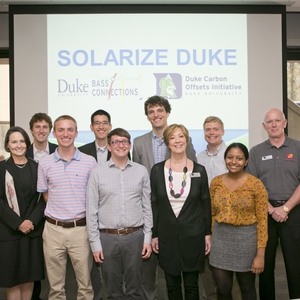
{"type": "Point", "coordinates": [40, 126]}
{"type": "Point", "coordinates": [101, 126]}
{"type": "Point", "coordinates": [150, 149]}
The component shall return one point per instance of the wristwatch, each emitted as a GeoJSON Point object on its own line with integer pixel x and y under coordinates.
{"type": "Point", "coordinates": [286, 209]}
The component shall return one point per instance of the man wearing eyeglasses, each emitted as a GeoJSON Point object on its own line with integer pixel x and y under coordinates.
{"type": "Point", "coordinates": [101, 126]}
{"type": "Point", "coordinates": [119, 218]}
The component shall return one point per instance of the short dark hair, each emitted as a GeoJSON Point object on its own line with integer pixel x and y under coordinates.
{"type": "Point", "coordinates": [157, 100]}
{"type": "Point", "coordinates": [240, 146]}
{"type": "Point", "coordinates": [120, 132]}
{"type": "Point", "coordinates": [38, 117]}
{"type": "Point", "coordinates": [13, 130]}
{"type": "Point", "coordinates": [100, 112]}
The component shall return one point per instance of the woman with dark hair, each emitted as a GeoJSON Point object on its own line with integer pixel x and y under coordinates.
{"type": "Point", "coordinates": [181, 216]}
{"type": "Point", "coordinates": [240, 210]}
{"type": "Point", "coordinates": [21, 219]}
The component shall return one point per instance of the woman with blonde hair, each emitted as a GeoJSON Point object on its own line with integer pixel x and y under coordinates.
{"type": "Point", "coordinates": [181, 215]}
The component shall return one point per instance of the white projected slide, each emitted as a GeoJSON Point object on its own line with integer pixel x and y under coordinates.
{"type": "Point", "coordinates": [223, 64]}
{"type": "Point", "coordinates": [198, 65]}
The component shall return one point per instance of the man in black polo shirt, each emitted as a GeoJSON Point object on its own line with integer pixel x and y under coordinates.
{"type": "Point", "coordinates": [276, 162]}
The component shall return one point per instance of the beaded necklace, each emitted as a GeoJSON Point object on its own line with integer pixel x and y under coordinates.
{"type": "Point", "coordinates": [183, 183]}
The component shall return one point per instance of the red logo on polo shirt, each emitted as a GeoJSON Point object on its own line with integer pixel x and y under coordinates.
{"type": "Point", "coordinates": [289, 156]}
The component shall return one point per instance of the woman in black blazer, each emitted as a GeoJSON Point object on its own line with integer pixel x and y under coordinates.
{"type": "Point", "coordinates": [21, 219]}
{"type": "Point", "coordinates": [181, 216]}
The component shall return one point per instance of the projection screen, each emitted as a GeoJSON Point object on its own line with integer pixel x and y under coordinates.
{"type": "Point", "coordinates": [204, 59]}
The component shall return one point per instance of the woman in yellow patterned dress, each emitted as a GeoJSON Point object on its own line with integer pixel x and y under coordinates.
{"type": "Point", "coordinates": [239, 210]}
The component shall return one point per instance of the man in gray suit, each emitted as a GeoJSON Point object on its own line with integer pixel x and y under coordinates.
{"type": "Point", "coordinates": [150, 149]}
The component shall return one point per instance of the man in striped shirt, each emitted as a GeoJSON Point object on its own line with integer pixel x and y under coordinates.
{"type": "Point", "coordinates": [62, 178]}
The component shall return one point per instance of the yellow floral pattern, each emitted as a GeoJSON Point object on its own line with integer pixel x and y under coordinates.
{"type": "Point", "coordinates": [244, 206]}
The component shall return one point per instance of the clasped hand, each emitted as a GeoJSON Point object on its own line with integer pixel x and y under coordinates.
{"type": "Point", "coordinates": [26, 226]}
{"type": "Point", "coordinates": [279, 215]}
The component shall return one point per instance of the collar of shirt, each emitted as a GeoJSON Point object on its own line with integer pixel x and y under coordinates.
{"type": "Point", "coordinates": [157, 140]}
{"type": "Point", "coordinates": [111, 163]}
{"type": "Point", "coordinates": [286, 143]}
{"type": "Point", "coordinates": [214, 154]}
{"type": "Point", "coordinates": [159, 148]}
{"type": "Point", "coordinates": [39, 154]}
{"type": "Point", "coordinates": [75, 157]}
{"type": "Point", "coordinates": [98, 148]}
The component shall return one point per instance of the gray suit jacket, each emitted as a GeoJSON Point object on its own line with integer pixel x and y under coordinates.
{"type": "Point", "coordinates": [142, 151]}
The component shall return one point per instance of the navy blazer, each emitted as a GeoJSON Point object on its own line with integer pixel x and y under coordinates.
{"type": "Point", "coordinates": [181, 239]}
{"type": "Point", "coordinates": [90, 149]}
{"type": "Point", "coordinates": [29, 153]}
{"type": "Point", "coordinates": [34, 211]}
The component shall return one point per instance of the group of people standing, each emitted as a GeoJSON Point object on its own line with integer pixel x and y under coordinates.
{"type": "Point", "coordinates": [219, 214]}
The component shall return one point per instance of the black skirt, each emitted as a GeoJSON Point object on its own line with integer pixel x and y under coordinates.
{"type": "Point", "coordinates": [21, 261]}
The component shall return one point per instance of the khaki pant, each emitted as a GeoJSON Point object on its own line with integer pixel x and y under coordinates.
{"type": "Point", "coordinates": [59, 243]}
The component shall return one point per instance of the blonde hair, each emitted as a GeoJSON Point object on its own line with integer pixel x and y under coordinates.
{"type": "Point", "coordinates": [213, 119]}
{"type": "Point", "coordinates": [168, 132]}
{"type": "Point", "coordinates": [65, 117]}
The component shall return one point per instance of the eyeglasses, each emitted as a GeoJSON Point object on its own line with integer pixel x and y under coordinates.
{"type": "Point", "coordinates": [104, 123]}
{"type": "Point", "coordinates": [117, 143]}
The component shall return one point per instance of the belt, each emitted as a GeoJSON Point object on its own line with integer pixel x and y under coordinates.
{"type": "Point", "coordinates": [277, 203]}
{"type": "Point", "coordinates": [71, 224]}
{"type": "Point", "coordinates": [121, 231]}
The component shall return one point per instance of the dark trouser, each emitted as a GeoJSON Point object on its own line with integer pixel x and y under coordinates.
{"type": "Point", "coordinates": [97, 281]}
{"type": "Point", "coordinates": [123, 263]}
{"type": "Point", "coordinates": [289, 234]}
{"type": "Point", "coordinates": [149, 278]}
{"type": "Point", "coordinates": [37, 288]}
{"type": "Point", "coordinates": [190, 282]}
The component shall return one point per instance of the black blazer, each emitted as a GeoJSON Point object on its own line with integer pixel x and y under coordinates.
{"type": "Point", "coordinates": [34, 211]}
{"type": "Point", "coordinates": [52, 148]}
{"type": "Point", "coordinates": [90, 149]}
{"type": "Point", "coordinates": [182, 239]}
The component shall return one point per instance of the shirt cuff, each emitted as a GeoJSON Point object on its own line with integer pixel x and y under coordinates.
{"type": "Point", "coordinates": [147, 238]}
{"type": "Point", "coordinates": [96, 246]}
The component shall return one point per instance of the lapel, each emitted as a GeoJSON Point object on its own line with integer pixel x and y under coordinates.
{"type": "Point", "coordinates": [108, 154]}
{"type": "Point", "coordinates": [10, 167]}
{"type": "Point", "coordinates": [52, 147]}
{"type": "Point", "coordinates": [148, 148]}
{"type": "Point", "coordinates": [30, 152]}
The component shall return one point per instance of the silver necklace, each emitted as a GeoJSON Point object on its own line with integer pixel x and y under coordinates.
{"type": "Point", "coordinates": [21, 166]}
